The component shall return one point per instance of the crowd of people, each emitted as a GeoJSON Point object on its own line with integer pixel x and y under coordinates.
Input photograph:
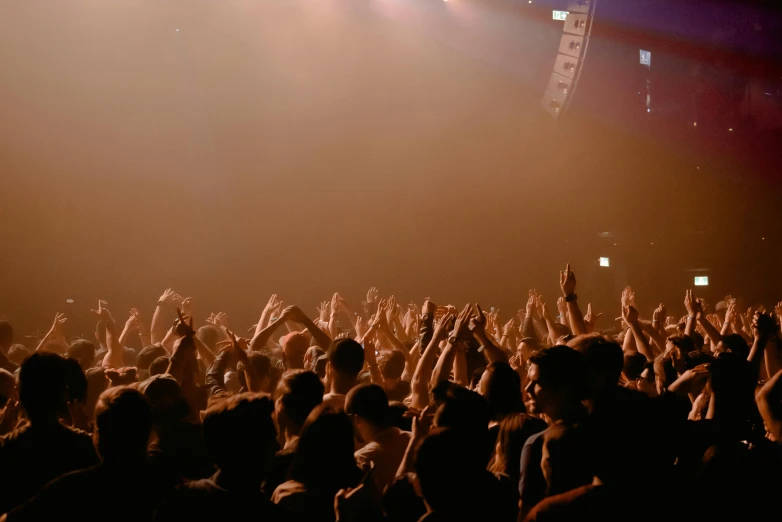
{"type": "Point", "coordinates": [396, 412]}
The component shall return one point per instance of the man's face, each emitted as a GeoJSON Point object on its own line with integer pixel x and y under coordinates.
{"type": "Point", "coordinates": [539, 394]}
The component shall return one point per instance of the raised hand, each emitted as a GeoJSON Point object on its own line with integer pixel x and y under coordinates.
{"type": "Point", "coordinates": [170, 298]}
{"type": "Point", "coordinates": [56, 332]}
{"type": "Point", "coordinates": [188, 306]}
{"type": "Point", "coordinates": [237, 349]}
{"type": "Point", "coordinates": [689, 303]}
{"type": "Point", "coordinates": [764, 326]}
{"type": "Point", "coordinates": [530, 305]}
{"type": "Point", "coordinates": [428, 307]}
{"type": "Point", "coordinates": [443, 326]}
{"type": "Point", "coordinates": [659, 314]}
{"type": "Point", "coordinates": [335, 303]}
{"type": "Point", "coordinates": [562, 306]}
{"type": "Point", "coordinates": [567, 281]}
{"type": "Point", "coordinates": [372, 295]}
{"type": "Point", "coordinates": [183, 328]}
{"type": "Point", "coordinates": [140, 324]}
{"type": "Point", "coordinates": [131, 324]}
{"type": "Point", "coordinates": [462, 321]}
{"type": "Point", "coordinates": [272, 304]}
{"type": "Point", "coordinates": [630, 315]}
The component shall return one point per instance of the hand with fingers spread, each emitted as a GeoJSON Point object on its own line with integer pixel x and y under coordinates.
{"type": "Point", "coordinates": [461, 324]}
{"type": "Point", "coordinates": [731, 314]}
{"type": "Point", "coordinates": [659, 315]}
{"type": "Point", "coordinates": [630, 315]}
{"type": "Point", "coordinates": [323, 311]}
{"type": "Point", "coordinates": [188, 306]}
{"type": "Point", "coordinates": [628, 297]}
{"type": "Point", "coordinates": [170, 299]}
{"type": "Point", "coordinates": [184, 325]}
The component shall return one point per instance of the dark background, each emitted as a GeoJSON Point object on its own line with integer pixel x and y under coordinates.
{"type": "Point", "coordinates": [304, 147]}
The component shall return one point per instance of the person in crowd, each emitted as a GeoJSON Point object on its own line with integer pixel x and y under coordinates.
{"type": "Point", "coordinates": [429, 414]}
{"type": "Point", "coordinates": [43, 448]}
{"type": "Point", "coordinates": [384, 445]}
{"type": "Point", "coordinates": [122, 487]}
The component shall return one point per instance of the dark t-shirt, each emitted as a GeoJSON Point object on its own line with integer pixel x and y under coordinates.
{"type": "Point", "coordinates": [178, 451]}
{"type": "Point", "coordinates": [281, 468]}
{"type": "Point", "coordinates": [206, 500]}
{"type": "Point", "coordinates": [96, 494]}
{"type": "Point", "coordinates": [532, 483]}
{"type": "Point", "coordinates": [31, 457]}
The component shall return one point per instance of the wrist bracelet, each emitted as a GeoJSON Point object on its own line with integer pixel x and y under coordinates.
{"type": "Point", "coordinates": [570, 298]}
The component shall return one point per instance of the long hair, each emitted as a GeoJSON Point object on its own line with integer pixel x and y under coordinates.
{"type": "Point", "coordinates": [510, 441]}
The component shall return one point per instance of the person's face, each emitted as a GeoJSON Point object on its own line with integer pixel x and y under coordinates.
{"type": "Point", "coordinates": [539, 394]}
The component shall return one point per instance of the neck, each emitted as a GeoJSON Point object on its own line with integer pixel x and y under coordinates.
{"type": "Point", "coordinates": [565, 412]}
{"type": "Point", "coordinates": [342, 385]}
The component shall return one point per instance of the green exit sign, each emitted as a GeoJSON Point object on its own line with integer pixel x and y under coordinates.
{"type": "Point", "coordinates": [560, 15]}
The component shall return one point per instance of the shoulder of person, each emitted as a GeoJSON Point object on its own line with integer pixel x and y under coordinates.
{"type": "Point", "coordinates": [287, 491]}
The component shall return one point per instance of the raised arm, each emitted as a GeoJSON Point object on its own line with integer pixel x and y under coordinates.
{"type": "Point", "coordinates": [55, 333]}
{"type": "Point", "coordinates": [113, 358]}
{"type": "Point", "coordinates": [266, 313]}
{"type": "Point", "coordinates": [768, 400]}
{"type": "Point", "coordinates": [445, 364]}
{"type": "Point", "coordinates": [567, 282]}
{"type": "Point", "coordinates": [260, 339]}
{"type": "Point", "coordinates": [630, 316]}
{"type": "Point", "coordinates": [692, 306]}
{"type": "Point", "coordinates": [321, 338]}
{"type": "Point", "coordinates": [169, 299]}
{"type": "Point", "coordinates": [478, 327]}
{"type": "Point", "coordinates": [764, 329]}
{"type": "Point", "coordinates": [423, 371]}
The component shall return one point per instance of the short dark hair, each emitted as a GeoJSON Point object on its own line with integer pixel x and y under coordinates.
{"type": "Point", "coordinates": [370, 402]}
{"type": "Point", "coordinates": [123, 422]}
{"type": "Point", "coordinates": [83, 351]}
{"type": "Point", "coordinates": [503, 390]}
{"type": "Point", "coordinates": [148, 355]}
{"type": "Point", "coordinates": [159, 365]}
{"type": "Point", "coordinates": [6, 333]}
{"type": "Point", "coordinates": [239, 432]}
{"type": "Point", "coordinates": [736, 343]}
{"type": "Point", "coordinates": [634, 364]}
{"type": "Point", "coordinates": [43, 384]}
{"type": "Point", "coordinates": [562, 368]}
{"type": "Point", "coordinates": [391, 364]}
{"type": "Point", "coordinates": [464, 409]}
{"type": "Point", "coordinates": [683, 342]}
{"type": "Point", "coordinates": [300, 392]}
{"type": "Point", "coordinates": [346, 356]}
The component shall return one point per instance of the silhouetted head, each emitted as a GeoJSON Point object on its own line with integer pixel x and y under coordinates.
{"type": "Point", "coordinates": [557, 379]}
{"type": "Point", "coordinates": [367, 404]}
{"type": "Point", "coordinates": [297, 394]}
{"type": "Point", "coordinates": [240, 435]}
{"type": "Point", "coordinates": [294, 346]}
{"type": "Point", "coordinates": [500, 385]}
{"type": "Point", "coordinates": [123, 422]}
{"type": "Point", "coordinates": [345, 359]}
{"type": "Point", "coordinates": [83, 351]}
{"type": "Point", "coordinates": [209, 335]}
{"type": "Point", "coordinates": [324, 457]}
{"type": "Point", "coordinates": [43, 386]}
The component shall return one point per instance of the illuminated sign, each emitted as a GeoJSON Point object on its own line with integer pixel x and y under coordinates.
{"type": "Point", "coordinates": [702, 281]}
{"type": "Point", "coordinates": [559, 15]}
{"type": "Point", "coordinates": [604, 261]}
{"type": "Point", "coordinates": [646, 58]}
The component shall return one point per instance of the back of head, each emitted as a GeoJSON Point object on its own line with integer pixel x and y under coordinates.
{"type": "Point", "coordinates": [501, 387]}
{"type": "Point", "coordinates": [324, 457]}
{"type": "Point", "coordinates": [464, 410]}
{"type": "Point", "coordinates": [346, 357]}
{"type": "Point", "coordinates": [240, 435]}
{"type": "Point", "coordinates": [43, 385]}
{"type": "Point", "coordinates": [563, 369]}
{"type": "Point", "coordinates": [295, 346]}
{"type": "Point", "coordinates": [736, 344]}
{"type": "Point", "coordinates": [6, 334]}
{"type": "Point", "coordinates": [605, 361]}
{"type": "Point", "coordinates": [165, 399]}
{"type": "Point", "coordinates": [633, 365]}
{"type": "Point", "coordinates": [391, 364]}
{"type": "Point", "coordinates": [17, 353]}
{"type": "Point", "coordinates": [369, 401]}
{"type": "Point", "coordinates": [447, 483]}
{"type": "Point", "coordinates": [299, 392]}
{"type": "Point", "coordinates": [147, 356]}
{"type": "Point", "coordinates": [159, 365]}
{"type": "Point", "coordinates": [209, 335]}
{"type": "Point", "coordinates": [83, 351]}
{"type": "Point", "coordinates": [122, 425]}
{"type": "Point", "coordinates": [567, 460]}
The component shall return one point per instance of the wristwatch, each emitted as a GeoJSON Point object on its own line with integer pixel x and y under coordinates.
{"type": "Point", "coordinates": [570, 298]}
